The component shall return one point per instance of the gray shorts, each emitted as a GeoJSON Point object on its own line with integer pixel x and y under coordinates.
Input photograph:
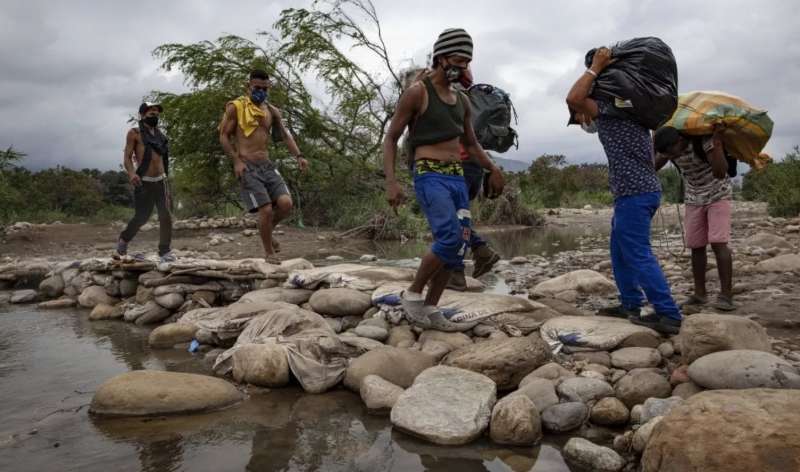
{"type": "Point", "coordinates": [261, 184]}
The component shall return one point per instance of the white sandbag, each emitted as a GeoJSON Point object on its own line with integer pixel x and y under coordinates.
{"type": "Point", "coordinates": [499, 310]}
{"type": "Point", "coordinates": [355, 276]}
{"type": "Point", "coordinates": [588, 333]}
{"type": "Point", "coordinates": [316, 356]}
{"type": "Point", "coordinates": [228, 322]}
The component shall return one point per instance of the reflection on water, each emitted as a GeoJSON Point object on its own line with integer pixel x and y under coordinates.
{"type": "Point", "coordinates": [51, 362]}
{"type": "Point", "coordinates": [518, 242]}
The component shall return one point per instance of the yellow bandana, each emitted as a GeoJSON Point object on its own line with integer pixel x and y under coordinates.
{"type": "Point", "coordinates": [247, 114]}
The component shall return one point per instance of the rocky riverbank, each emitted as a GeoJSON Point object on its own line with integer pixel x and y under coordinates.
{"type": "Point", "coordinates": [722, 395]}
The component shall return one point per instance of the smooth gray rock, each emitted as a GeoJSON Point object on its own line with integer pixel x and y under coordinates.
{"type": "Point", "coordinates": [515, 421]}
{"type": "Point", "coordinates": [372, 332]}
{"type": "Point", "coordinates": [427, 409]}
{"type": "Point", "coordinates": [52, 287]}
{"type": "Point", "coordinates": [542, 392]}
{"type": "Point", "coordinates": [642, 435]}
{"type": "Point", "coordinates": [397, 365]}
{"type": "Point", "coordinates": [742, 369]}
{"type": "Point", "coordinates": [653, 407]}
{"type": "Point", "coordinates": [630, 358]}
{"type": "Point", "coordinates": [581, 389]}
{"type": "Point", "coordinates": [506, 361]}
{"type": "Point", "coordinates": [23, 296]}
{"type": "Point", "coordinates": [565, 417]}
{"type": "Point", "coordinates": [609, 411]}
{"type": "Point", "coordinates": [639, 385]}
{"type": "Point", "coordinates": [585, 455]}
{"type": "Point", "coordinates": [379, 394]}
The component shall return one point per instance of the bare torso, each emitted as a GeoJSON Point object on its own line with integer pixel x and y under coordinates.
{"type": "Point", "coordinates": [445, 151]}
{"type": "Point", "coordinates": [156, 167]}
{"type": "Point", "coordinates": [253, 148]}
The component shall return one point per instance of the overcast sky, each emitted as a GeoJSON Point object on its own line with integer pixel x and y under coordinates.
{"type": "Point", "coordinates": [72, 73]}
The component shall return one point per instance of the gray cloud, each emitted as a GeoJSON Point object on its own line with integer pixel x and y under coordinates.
{"type": "Point", "coordinates": [74, 72]}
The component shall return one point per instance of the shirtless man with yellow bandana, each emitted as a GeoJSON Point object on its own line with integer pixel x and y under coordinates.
{"type": "Point", "coordinates": [244, 135]}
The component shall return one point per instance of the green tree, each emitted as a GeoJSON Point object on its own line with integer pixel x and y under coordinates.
{"type": "Point", "coordinates": [778, 184]}
{"type": "Point", "coordinates": [341, 136]}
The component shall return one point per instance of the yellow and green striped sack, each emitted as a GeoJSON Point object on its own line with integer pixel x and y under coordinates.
{"type": "Point", "coordinates": [747, 129]}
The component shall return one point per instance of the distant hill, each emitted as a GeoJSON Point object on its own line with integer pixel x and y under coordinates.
{"type": "Point", "coordinates": [511, 165]}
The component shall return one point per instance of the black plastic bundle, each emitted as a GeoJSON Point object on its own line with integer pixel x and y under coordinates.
{"type": "Point", "coordinates": [642, 83]}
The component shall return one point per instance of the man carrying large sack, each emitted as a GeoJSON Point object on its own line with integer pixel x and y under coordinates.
{"type": "Point", "coordinates": [637, 195]}
{"type": "Point", "coordinates": [704, 169]}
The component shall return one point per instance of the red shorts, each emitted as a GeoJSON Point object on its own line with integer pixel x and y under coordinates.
{"type": "Point", "coordinates": [708, 224]}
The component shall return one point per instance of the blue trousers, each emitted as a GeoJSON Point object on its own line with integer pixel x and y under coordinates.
{"type": "Point", "coordinates": [444, 200]}
{"type": "Point", "coordinates": [635, 266]}
{"type": "Point", "coordinates": [473, 175]}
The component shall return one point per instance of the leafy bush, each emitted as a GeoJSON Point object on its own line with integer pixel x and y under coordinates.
{"type": "Point", "coordinates": [778, 184]}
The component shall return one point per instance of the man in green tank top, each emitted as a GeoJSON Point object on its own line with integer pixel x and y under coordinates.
{"type": "Point", "coordinates": [438, 119]}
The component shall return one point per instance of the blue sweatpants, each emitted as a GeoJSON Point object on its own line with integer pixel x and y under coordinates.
{"type": "Point", "coordinates": [635, 266]}
{"type": "Point", "coordinates": [473, 175]}
{"type": "Point", "coordinates": [444, 200]}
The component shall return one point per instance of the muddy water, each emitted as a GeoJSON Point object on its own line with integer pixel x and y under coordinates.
{"type": "Point", "coordinates": [543, 241]}
{"type": "Point", "coordinates": [51, 362]}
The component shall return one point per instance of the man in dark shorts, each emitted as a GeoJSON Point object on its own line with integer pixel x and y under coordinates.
{"type": "Point", "coordinates": [244, 135]}
{"type": "Point", "coordinates": [146, 160]}
{"type": "Point", "coordinates": [637, 195]}
{"type": "Point", "coordinates": [439, 122]}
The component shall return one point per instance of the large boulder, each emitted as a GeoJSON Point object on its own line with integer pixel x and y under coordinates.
{"type": "Point", "coordinates": [729, 431]}
{"type": "Point", "coordinates": [265, 365]}
{"type": "Point", "coordinates": [703, 334]}
{"type": "Point", "coordinates": [743, 369]}
{"type": "Point", "coordinates": [582, 389]}
{"type": "Point", "coordinates": [515, 421]}
{"type": "Point", "coordinates": [506, 361]}
{"type": "Point", "coordinates": [168, 335]}
{"type": "Point", "coordinates": [427, 409]}
{"type": "Point", "coordinates": [640, 384]}
{"type": "Point", "coordinates": [378, 394]}
{"type": "Point", "coordinates": [152, 392]}
{"type": "Point", "coordinates": [585, 455]}
{"type": "Point", "coordinates": [399, 366]}
{"type": "Point", "coordinates": [583, 281]}
{"type": "Point", "coordinates": [782, 263]}
{"type": "Point", "coordinates": [630, 358]}
{"type": "Point", "coordinates": [340, 302]}
{"type": "Point", "coordinates": [94, 295]}
{"type": "Point", "coordinates": [52, 287]}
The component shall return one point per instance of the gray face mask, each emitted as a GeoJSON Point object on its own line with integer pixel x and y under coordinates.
{"type": "Point", "coordinates": [590, 128]}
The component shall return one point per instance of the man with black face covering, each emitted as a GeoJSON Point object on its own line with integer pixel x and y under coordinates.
{"type": "Point", "coordinates": [439, 121]}
{"type": "Point", "coordinates": [244, 134]}
{"type": "Point", "coordinates": [146, 159]}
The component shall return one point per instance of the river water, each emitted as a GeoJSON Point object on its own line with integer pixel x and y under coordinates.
{"type": "Point", "coordinates": [52, 361]}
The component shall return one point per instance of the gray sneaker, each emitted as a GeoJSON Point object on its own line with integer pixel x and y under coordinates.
{"type": "Point", "coordinates": [415, 312]}
{"type": "Point", "coordinates": [440, 322]}
{"type": "Point", "coordinates": [122, 247]}
{"type": "Point", "coordinates": [168, 257]}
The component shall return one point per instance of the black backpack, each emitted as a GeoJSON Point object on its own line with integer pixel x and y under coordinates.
{"type": "Point", "coordinates": [491, 117]}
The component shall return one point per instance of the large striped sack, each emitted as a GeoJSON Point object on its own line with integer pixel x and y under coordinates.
{"type": "Point", "coordinates": [746, 128]}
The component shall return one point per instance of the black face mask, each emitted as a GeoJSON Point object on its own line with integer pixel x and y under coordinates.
{"type": "Point", "coordinates": [151, 121]}
{"type": "Point", "coordinates": [453, 73]}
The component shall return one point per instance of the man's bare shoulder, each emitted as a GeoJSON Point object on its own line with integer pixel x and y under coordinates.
{"type": "Point", "coordinates": [133, 133]}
